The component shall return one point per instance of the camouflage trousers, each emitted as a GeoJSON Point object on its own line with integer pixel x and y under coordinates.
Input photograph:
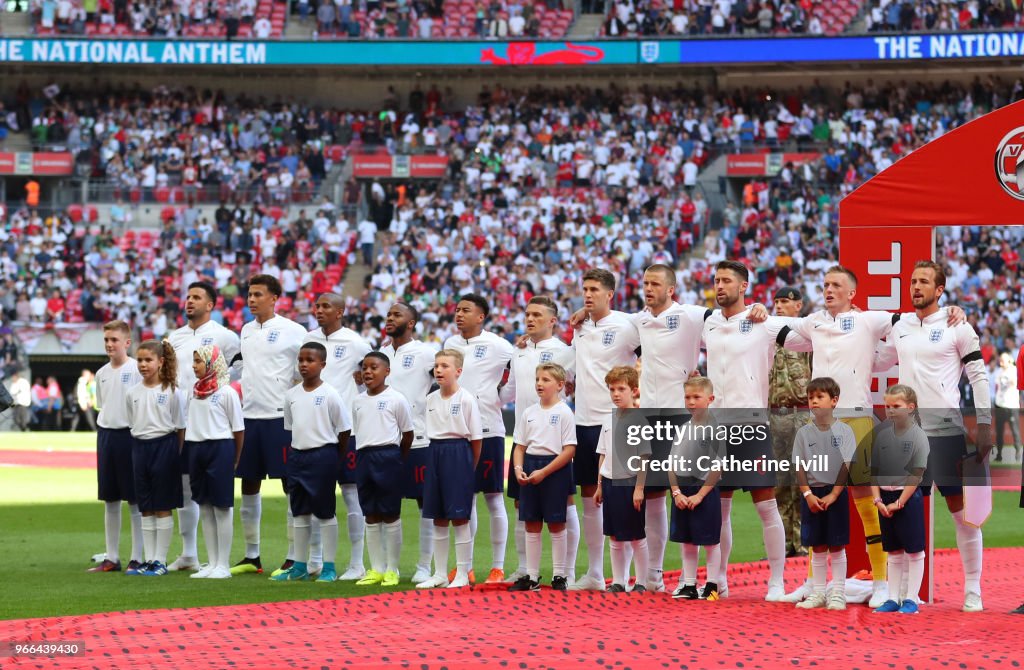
{"type": "Point", "coordinates": [784, 424]}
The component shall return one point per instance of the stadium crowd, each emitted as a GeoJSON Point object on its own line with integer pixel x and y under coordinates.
{"type": "Point", "coordinates": [905, 15]}
{"type": "Point", "coordinates": [723, 17]}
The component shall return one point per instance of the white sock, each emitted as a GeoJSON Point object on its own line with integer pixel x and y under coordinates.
{"type": "Point", "coordinates": [210, 534]}
{"type": "Point", "coordinates": [627, 549]}
{"type": "Point", "coordinates": [426, 544]}
{"type": "Point", "coordinates": [112, 529]}
{"type": "Point", "coordinates": [691, 556]}
{"type": "Point", "coordinates": [572, 540]}
{"type": "Point", "coordinates": [726, 543]}
{"type": "Point", "coordinates": [149, 537]}
{"type": "Point", "coordinates": [897, 568]}
{"type": "Point", "coordinates": [712, 556]}
{"type": "Point", "coordinates": [639, 549]}
{"type": "Point", "coordinates": [473, 524]}
{"type": "Point", "coordinates": [251, 513]}
{"type": "Point", "coordinates": [558, 548]}
{"type": "Point", "coordinates": [969, 542]}
{"type": "Point", "coordinates": [915, 575]}
{"type": "Point", "coordinates": [619, 563]}
{"type": "Point", "coordinates": [593, 530]}
{"type": "Point", "coordinates": [302, 531]}
{"type": "Point", "coordinates": [533, 549]}
{"type": "Point", "coordinates": [164, 531]}
{"type": "Point", "coordinates": [499, 528]}
{"type": "Point", "coordinates": [521, 544]}
{"type": "Point", "coordinates": [657, 538]}
{"type": "Point", "coordinates": [392, 545]}
{"type": "Point", "coordinates": [224, 517]}
{"type": "Point", "coordinates": [375, 546]}
{"type": "Point", "coordinates": [188, 520]}
{"type": "Point", "coordinates": [838, 559]}
{"type": "Point", "coordinates": [463, 550]}
{"type": "Point", "coordinates": [355, 524]}
{"type": "Point", "coordinates": [819, 570]}
{"type": "Point", "coordinates": [289, 521]}
{"type": "Point", "coordinates": [774, 539]}
{"type": "Point", "coordinates": [329, 540]}
{"type": "Point", "coordinates": [136, 523]}
{"type": "Point", "coordinates": [441, 550]}
{"type": "Point", "coordinates": [316, 548]}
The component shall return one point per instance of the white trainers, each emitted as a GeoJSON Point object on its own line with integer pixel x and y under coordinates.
{"type": "Point", "coordinates": [203, 572]}
{"type": "Point", "coordinates": [836, 600]}
{"type": "Point", "coordinates": [422, 575]}
{"type": "Point", "coordinates": [972, 602]}
{"type": "Point", "coordinates": [775, 594]}
{"type": "Point", "coordinates": [461, 580]}
{"type": "Point", "coordinates": [656, 581]}
{"type": "Point", "coordinates": [519, 573]}
{"type": "Point", "coordinates": [799, 593]}
{"type": "Point", "coordinates": [434, 582]}
{"type": "Point", "coordinates": [813, 601]}
{"type": "Point", "coordinates": [354, 573]}
{"type": "Point", "coordinates": [588, 583]}
{"type": "Point", "coordinates": [879, 594]}
{"type": "Point", "coordinates": [99, 558]}
{"type": "Point", "coordinates": [220, 572]}
{"type": "Point", "coordinates": [314, 569]}
{"type": "Point", "coordinates": [184, 563]}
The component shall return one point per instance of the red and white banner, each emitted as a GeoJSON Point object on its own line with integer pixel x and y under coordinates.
{"type": "Point", "coordinates": [367, 166]}
{"type": "Point", "coordinates": [68, 334]}
{"type": "Point", "coordinates": [43, 164]}
{"type": "Point", "coordinates": [764, 164]}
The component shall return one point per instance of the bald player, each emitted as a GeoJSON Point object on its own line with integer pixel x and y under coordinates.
{"type": "Point", "coordinates": [199, 331]}
{"type": "Point", "coordinates": [345, 352]}
{"type": "Point", "coordinates": [932, 356]}
{"type": "Point", "coordinates": [412, 375]}
{"type": "Point", "coordinates": [540, 346]}
{"type": "Point", "coordinates": [844, 343]}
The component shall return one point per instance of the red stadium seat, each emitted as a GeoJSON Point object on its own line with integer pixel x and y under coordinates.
{"type": "Point", "coordinates": [162, 194]}
{"type": "Point", "coordinates": [276, 213]}
{"type": "Point", "coordinates": [75, 213]}
{"type": "Point", "coordinates": [92, 215]}
{"type": "Point", "coordinates": [167, 214]}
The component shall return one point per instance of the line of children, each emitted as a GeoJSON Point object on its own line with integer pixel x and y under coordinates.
{"type": "Point", "coordinates": [214, 435]}
{"type": "Point", "coordinates": [156, 414]}
{"type": "Point", "coordinates": [545, 441]}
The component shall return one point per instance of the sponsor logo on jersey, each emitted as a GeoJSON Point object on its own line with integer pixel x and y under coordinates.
{"type": "Point", "coordinates": [746, 325]}
{"type": "Point", "coordinates": [546, 357]}
{"type": "Point", "coordinates": [206, 341]}
{"type": "Point", "coordinates": [935, 335]}
{"type": "Point", "coordinates": [608, 339]}
{"type": "Point", "coordinates": [161, 398]}
{"type": "Point", "coordinates": [846, 324]}
{"type": "Point", "coordinates": [456, 408]}
{"type": "Point", "coordinates": [339, 352]}
{"type": "Point", "coordinates": [480, 351]}
{"type": "Point", "coordinates": [407, 361]}
{"type": "Point", "coordinates": [273, 335]}
{"type": "Point", "coordinates": [672, 322]}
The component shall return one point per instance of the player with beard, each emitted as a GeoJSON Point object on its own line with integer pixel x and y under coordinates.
{"type": "Point", "coordinates": [932, 356]}
{"type": "Point", "coordinates": [740, 354]}
{"type": "Point", "coordinates": [412, 375]}
{"type": "Point", "coordinates": [200, 331]}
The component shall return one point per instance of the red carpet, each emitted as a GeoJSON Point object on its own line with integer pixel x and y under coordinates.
{"type": "Point", "coordinates": [28, 458]}
{"type": "Point", "coordinates": [495, 629]}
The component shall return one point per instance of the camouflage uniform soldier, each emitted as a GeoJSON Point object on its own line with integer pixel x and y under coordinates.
{"type": "Point", "coordinates": [787, 396]}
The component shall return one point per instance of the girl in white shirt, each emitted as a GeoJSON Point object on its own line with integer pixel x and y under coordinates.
{"type": "Point", "coordinates": [215, 432]}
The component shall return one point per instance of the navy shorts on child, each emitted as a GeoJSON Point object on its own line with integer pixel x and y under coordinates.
{"type": "Point", "coordinates": [701, 525]}
{"type": "Point", "coordinates": [905, 528]}
{"type": "Point", "coordinates": [115, 474]}
{"type": "Point", "coordinates": [545, 501]}
{"type": "Point", "coordinates": [157, 468]}
{"type": "Point", "coordinates": [379, 480]}
{"type": "Point", "coordinates": [311, 481]}
{"type": "Point", "coordinates": [621, 520]}
{"type": "Point", "coordinates": [211, 472]}
{"type": "Point", "coordinates": [448, 486]}
{"type": "Point", "coordinates": [829, 528]}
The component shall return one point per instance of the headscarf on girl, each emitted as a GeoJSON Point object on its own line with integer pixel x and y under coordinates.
{"type": "Point", "coordinates": [216, 371]}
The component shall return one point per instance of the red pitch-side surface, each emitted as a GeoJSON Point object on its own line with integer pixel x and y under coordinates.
{"type": "Point", "coordinates": [495, 629]}
{"type": "Point", "coordinates": [28, 458]}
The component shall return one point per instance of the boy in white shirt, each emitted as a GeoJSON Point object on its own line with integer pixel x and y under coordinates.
{"type": "Point", "coordinates": [545, 441]}
{"type": "Point", "coordinates": [453, 427]}
{"type": "Point", "coordinates": [320, 424]}
{"type": "Point", "coordinates": [382, 423]}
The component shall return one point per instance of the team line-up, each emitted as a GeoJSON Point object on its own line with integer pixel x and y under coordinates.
{"type": "Point", "coordinates": [320, 408]}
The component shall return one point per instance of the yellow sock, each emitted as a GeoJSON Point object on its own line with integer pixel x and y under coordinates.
{"type": "Point", "coordinates": [873, 535]}
{"type": "Point", "coordinates": [810, 555]}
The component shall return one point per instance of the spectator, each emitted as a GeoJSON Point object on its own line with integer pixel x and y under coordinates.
{"type": "Point", "coordinates": [21, 392]}
{"type": "Point", "coordinates": [85, 397]}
